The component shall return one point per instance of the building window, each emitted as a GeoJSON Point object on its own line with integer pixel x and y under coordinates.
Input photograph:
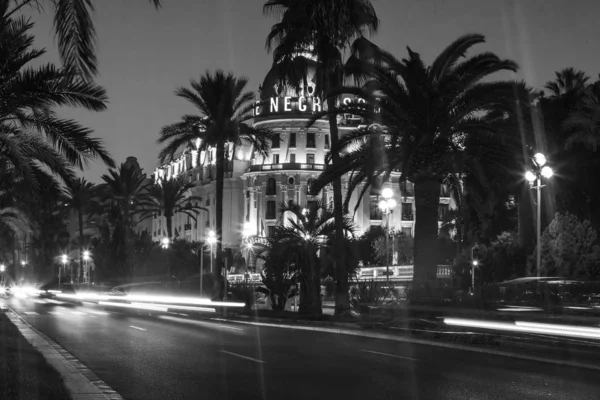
{"type": "Point", "coordinates": [407, 212]}
{"type": "Point", "coordinates": [442, 210]}
{"type": "Point", "coordinates": [270, 230]}
{"type": "Point", "coordinates": [310, 140]}
{"type": "Point", "coordinates": [375, 211]}
{"type": "Point", "coordinates": [247, 209]}
{"type": "Point", "coordinates": [309, 184]}
{"type": "Point", "coordinates": [327, 158]}
{"type": "Point", "coordinates": [376, 187]}
{"type": "Point", "coordinates": [326, 141]}
{"type": "Point", "coordinates": [407, 189]}
{"type": "Point", "coordinates": [271, 187]}
{"type": "Point", "coordinates": [271, 209]}
{"type": "Point", "coordinates": [292, 158]}
{"type": "Point", "coordinates": [292, 139]}
{"type": "Point", "coordinates": [407, 231]}
{"type": "Point", "coordinates": [310, 158]}
{"type": "Point", "coordinates": [275, 158]}
{"type": "Point", "coordinates": [311, 205]}
{"type": "Point", "coordinates": [275, 141]}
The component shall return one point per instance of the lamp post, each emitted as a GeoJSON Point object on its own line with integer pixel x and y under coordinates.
{"type": "Point", "coordinates": [540, 170]}
{"type": "Point", "coordinates": [63, 259]}
{"type": "Point", "coordinates": [165, 245]}
{"type": "Point", "coordinates": [2, 270]}
{"type": "Point", "coordinates": [86, 258]}
{"type": "Point", "coordinates": [212, 239]}
{"type": "Point", "coordinates": [387, 205]}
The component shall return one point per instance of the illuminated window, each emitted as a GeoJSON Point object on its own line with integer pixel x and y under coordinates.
{"type": "Point", "coordinates": [275, 158]}
{"type": "Point", "coordinates": [292, 158]}
{"type": "Point", "coordinates": [310, 158]}
{"type": "Point", "coordinates": [326, 141]}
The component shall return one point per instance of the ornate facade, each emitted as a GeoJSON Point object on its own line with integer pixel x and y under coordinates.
{"type": "Point", "coordinates": [257, 186]}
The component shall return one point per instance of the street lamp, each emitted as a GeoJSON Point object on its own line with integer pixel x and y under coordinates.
{"type": "Point", "coordinates": [63, 259]}
{"type": "Point", "coordinates": [165, 243]}
{"type": "Point", "coordinates": [86, 258]}
{"type": "Point", "coordinates": [387, 205]}
{"type": "Point", "coordinates": [540, 170]}
{"type": "Point", "coordinates": [2, 270]}
{"type": "Point", "coordinates": [212, 239]}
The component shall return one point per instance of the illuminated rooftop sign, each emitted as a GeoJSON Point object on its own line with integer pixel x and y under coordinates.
{"type": "Point", "coordinates": [276, 105]}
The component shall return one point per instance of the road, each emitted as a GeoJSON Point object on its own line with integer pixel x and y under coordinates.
{"type": "Point", "coordinates": [169, 357]}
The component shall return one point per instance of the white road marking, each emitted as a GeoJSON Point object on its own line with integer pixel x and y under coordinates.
{"type": "Point", "coordinates": [77, 312]}
{"type": "Point", "coordinates": [99, 312]}
{"type": "Point", "coordinates": [54, 313]}
{"type": "Point", "coordinates": [30, 313]}
{"type": "Point", "coordinates": [230, 327]}
{"type": "Point", "coordinates": [389, 355]}
{"type": "Point", "coordinates": [138, 328]}
{"type": "Point", "coordinates": [92, 316]}
{"type": "Point", "coordinates": [241, 356]}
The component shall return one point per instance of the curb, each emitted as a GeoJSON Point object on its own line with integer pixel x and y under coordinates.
{"type": "Point", "coordinates": [80, 381]}
{"type": "Point", "coordinates": [384, 336]}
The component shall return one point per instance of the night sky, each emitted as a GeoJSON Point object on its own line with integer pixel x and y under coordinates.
{"type": "Point", "coordinates": [145, 54]}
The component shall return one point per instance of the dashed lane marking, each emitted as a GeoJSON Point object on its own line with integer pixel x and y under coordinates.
{"type": "Point", "coordinates": [30, 313]}
{"type": "Point", "coordinates": [241, 356]}
{"type": "Point", "coordinates": [389, 355]}
{"type": "Point", "coordinates": [137, 327]}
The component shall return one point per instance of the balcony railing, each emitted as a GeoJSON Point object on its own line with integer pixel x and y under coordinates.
{"type": "Point", "coordinates": [408, 217]}
{"type": "Point", "coordinates": [187, 227]}
{"type": "Point", "coordinates": [286, 166]}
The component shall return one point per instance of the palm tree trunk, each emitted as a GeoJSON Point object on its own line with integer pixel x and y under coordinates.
{"type": "Point", "coordinates": [169, 219]}
{"type": "Point", "coordinates": [219, 210]}
{"type": "Point", "coordinates": [342, 298]}
{"type": "Point", "coordinates": [427, 198]}
{"type": "Point", "coordinates": [80, 215]}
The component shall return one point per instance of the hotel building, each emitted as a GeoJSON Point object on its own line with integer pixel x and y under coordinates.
{"type": "Point", "coordinates": [255, 187]}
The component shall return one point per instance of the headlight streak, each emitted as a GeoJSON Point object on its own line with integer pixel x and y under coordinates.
{"type": "Point", "coordinates": [528, 327]}
{"type": "Point", "coordinates": [166, 301]}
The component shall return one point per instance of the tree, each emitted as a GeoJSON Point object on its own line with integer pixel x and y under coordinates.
{"type": "Point", "coordinates": [223, 122]}
{"type": "Point", "coordinates": [81, 199]}
{"type": "Point", "coordinates": [74, 29]}
{"type": "Point", "coordinates": [325, 30]}
{"type": "Point", "coordinates": [398, 243]}
{"type": "Point", "coordinates": [583, 123]}
{"type": "Point", "coordinates": [122, 195]}
{"type": "Point", "coordinates": [170, 197]}
{"type": "Point", "coordinates": [425, 115]}
{"type": "Point", "coordinates": [570, 248]}
{"type": "Point", "coordinates": [34, 141]}
{"type": "Point", "coordinates": [302, 237]}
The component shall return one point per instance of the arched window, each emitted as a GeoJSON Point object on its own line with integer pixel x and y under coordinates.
{"type": "Point", "coordinates": [271, 187]}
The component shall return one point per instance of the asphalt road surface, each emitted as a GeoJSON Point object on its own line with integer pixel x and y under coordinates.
{"type": "Point", "coordinates": [171, 357]}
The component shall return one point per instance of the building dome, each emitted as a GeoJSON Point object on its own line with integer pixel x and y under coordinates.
{"type": "Point", "coordinates": [277, 100]}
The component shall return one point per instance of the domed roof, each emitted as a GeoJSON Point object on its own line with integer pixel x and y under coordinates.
{"type": "Point", "coordinates": [271, 86]}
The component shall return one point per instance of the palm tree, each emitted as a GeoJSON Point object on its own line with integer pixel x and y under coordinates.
{"type": "Point", "coordinates": [224, 111]}
{"type": "Point", "coordinates": [74, 28]}
{"type": "Point", "coordinates": [34, 140]}
{"type": "Point", "coordinates": [302, 236]}
{"type": "Point", "coordinates": [568, 80]}
{"type": "Point", "coordinates": [170, 197]}
{"type": "Point", "coordinates": [583, 123]}
{"type": "Point", "coordinates": [325, 29]}
{"type": "Point", "coordinates": [82, 199]}
{"type": "Point", "coordinates": [427, 114]}
{"type": "Point", "coordinates": [123, 196]}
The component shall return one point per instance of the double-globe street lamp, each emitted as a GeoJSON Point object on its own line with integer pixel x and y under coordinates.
{"type": "Point", "coordinates": [63, 259]}
{"type": "Point", "coordinates": [387, 205]}
{"type": "Point", "coordinates": [86, 258]}
{"type": "Point", "coordinates": [540, 170]}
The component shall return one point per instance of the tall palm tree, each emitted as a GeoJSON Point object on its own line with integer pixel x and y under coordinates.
{"type": "Point", "coordinates": [82, 199]}
{"type": "Point", "coordinates": [302, 236]}
{"type": "Point", "coordinates": [224, 111]}
{"type": "Point", "coordinates": [426, 116]}
{"type": "Point", "coordinates": [74, 29]}
{"type": "Point", "coordinates": [123, 194]}
{"type": "Point", "coordinates": [170, 197]}
{"type": "Point", "coordinates": [324, 29]}
{"type": "Point", "coordinates": [33, 138]}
